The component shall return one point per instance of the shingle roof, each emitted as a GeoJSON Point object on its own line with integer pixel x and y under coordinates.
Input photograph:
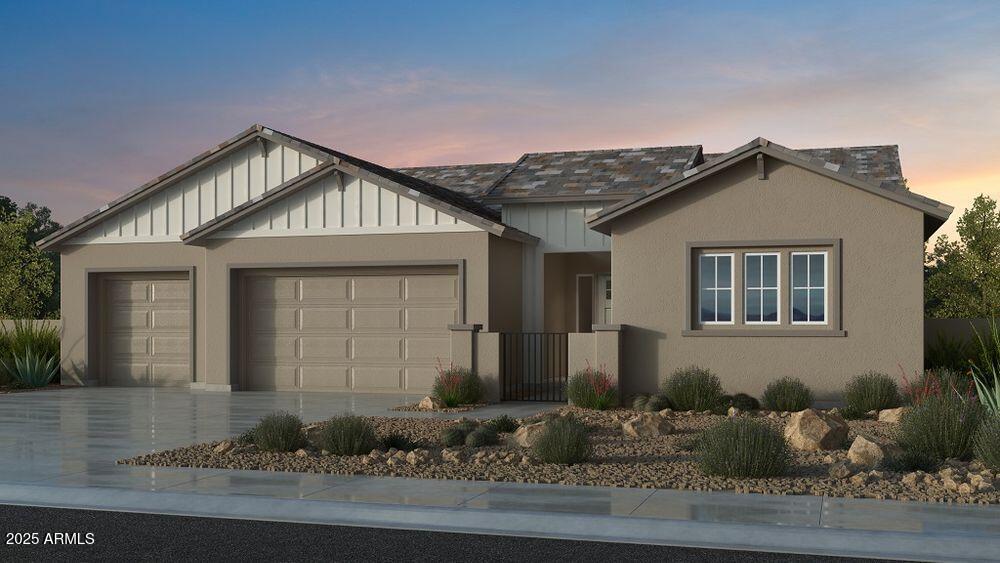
{"type": "Point", "coordinates": [469, 179]}
{"type": "Point", "coordinates": [594, 172]}
{"type": "Point", "coordinates": [879, 163]}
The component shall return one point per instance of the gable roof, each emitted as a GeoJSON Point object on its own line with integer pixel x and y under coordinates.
{"type": "Point", "coordinates": [449, 201]}
{"type": "Point", "coordinates": [853, 171]}
{"type": "Point", "coordinates": [598, 174]}
{"type": "Point", "coordinates": [469, 179]}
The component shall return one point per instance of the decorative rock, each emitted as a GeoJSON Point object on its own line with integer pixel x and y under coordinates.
{"type": "Point", "coordinates": [859, 479]}
{"type": "Point", "coordinates": [892, 415]}
{"type": "Point", "coordinates": [646, 425]}
{"type": "Point", "coordinates": [301, 453]}
{"type": "Point", "coordinates": [430, 403]}
{"type": "Point", "coordinates": [912, 479]}
{"type": "Point", "coordinates": [812, 430]}
{"type": "Point", "coordinates": [666, 412]}
{"type": "Point", "coordinates": [733, 411]}
{"type": "Point", "coordinates": [451, 455]}
{"type": "Point", "coordinates": [965, 489]}
{"type": "Point", "coordinates": [841, 470]}
{"type": "Point", "coordinates": [869, 452]}
{"type": "Point", "coordinates": [526, 435]}
{"type": "Point", "coordinates": [773, 415]}
{"type": "Point", "coordinates": [224, 447]}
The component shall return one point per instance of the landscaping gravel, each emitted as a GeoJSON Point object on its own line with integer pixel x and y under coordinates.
{"type": "Point", "coordinates": [663, 462]}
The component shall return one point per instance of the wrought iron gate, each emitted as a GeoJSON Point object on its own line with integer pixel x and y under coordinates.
{"type": "Point", "coordinates": [534, 366]}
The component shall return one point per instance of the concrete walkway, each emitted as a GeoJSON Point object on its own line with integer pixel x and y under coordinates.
{"type": "Point", "coordinates": [57, 448]}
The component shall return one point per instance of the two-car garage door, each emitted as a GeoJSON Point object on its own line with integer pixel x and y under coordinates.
{"type": "Point", "coordinates": [362, 329]}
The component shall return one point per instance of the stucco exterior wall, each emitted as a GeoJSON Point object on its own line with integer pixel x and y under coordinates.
{"type": "Point", "coordinates": [561, 271]}
{"type": "Point", "coordinates": [881, 289]}
{"type": "Point", "coordinates": [213, 265]}
{"type": "Point", "coordinates": [506, 261]}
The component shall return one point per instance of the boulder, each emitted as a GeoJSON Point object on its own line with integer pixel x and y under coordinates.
{"type": "Point", "coordinates": [526, 435]}
{"type": "Point", "coordinates": [301, 453]}
{"type": "Point", "coordinates": [841, 470]}
{"type": "Point", "coordinates": [646, 425]}
{"type": "Point", "coordinates": [813, 430]}
{"type": "Point", "coordinates": [892, 415]}
{"type": "Point", "coordinates": [430, 403]}
{"type": "Point", "coordinates": [733, 411]}
{"type": "Point", "coordinates": [224, 447]}
{"type": "Point", "coordinates": [869, 452]}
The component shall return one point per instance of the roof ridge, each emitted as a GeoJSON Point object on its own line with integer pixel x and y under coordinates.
{"type": "Point", "coordinates": [613, 149]}
{"type": "Point", "coordinates": [456, 165]}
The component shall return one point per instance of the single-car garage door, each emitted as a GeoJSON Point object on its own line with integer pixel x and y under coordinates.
{"type": "Point", "coordinates": [146, 330]}
{"type": "Point", "coordinates": [362, 329]}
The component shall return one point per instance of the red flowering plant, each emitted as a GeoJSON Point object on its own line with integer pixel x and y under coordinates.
{"type": "Point", "coordinates": [592, 389]}
{"type": "Point", "coordinates": [937, 382]}
{"type": "Point", "coordinates": [456, 386]}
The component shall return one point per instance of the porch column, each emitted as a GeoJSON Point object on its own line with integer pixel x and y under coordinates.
{"type": "Point", "coordinates": [463, 347]}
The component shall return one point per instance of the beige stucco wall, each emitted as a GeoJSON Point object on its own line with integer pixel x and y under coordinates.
{"type": "Point", "coordinates": [212, 265]}
{"type": "Point", "coordinates": [561, 271]}
{"type": "Point", "coordinates": [882, 299]}
{"type": "Point", "coordinates": [506, 263]}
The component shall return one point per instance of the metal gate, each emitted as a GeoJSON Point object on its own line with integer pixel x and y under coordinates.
{"type": "Point", "coordinates": [534, 366]}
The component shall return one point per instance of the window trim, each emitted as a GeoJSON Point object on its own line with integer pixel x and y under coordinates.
{"type": "Point", "coordinates": [809, 288]}
{"type": "Point", "coordinates": [777, 287]}
{"type": "Point", "coordinates": [716, 288]}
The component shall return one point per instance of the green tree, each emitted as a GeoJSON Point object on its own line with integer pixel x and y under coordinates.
{"type": "Point", "coordinates": [26, 274]}
{"type": "Point", "coordinates": [962, 278]}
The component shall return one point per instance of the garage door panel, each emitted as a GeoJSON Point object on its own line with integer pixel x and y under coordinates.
{"type": "Point", "coordinates": [173, 291]}
{"type": "Point", "coordinates": [326, 377]}
{"type": "Point", "coordinates": [381, 288]}
{"type": "Point", "coordinates": [440, 288]}
{"type": "Point", "coordinates": [127, 319]}
{"type": "Point", "coordinates": [319, 348]}
{"type": "Point", "coordinates": [420, 377]}
{"type": "Point", "coordinates": [376, 348]}
{"type": "Point", "coordinates": [340, 331]}
{"type": "Point", "coordinates": [377, 377]}
{"type": "Point", "coordinates": [270, 290]}
{"type": "Point", "coordinates": [171, 320]}
{"type": "Point", "coordinates": [427, 349]}
{"type": "Point", "coordinates": [271, 347]}
{"type": "Point", "coordinates": [146, 336]}
{"type": "Point", "coordinates": [316, 318]}
{"type": "Point", "coordinates": [272, 376]}
{"type": "Point", "coordinates": [436, 318]}
{"type": "Point", "coordinates": [269, 319]}
{"type": "Point", "coordinates": [377, 318]}
{"type": "Point", "coordinates": [326, 288]}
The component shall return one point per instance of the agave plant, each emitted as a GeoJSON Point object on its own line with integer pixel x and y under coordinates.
{"type": "Point", "coordinates": [986, 369]}
{"type": "Point", "coordinates": [28, 369]}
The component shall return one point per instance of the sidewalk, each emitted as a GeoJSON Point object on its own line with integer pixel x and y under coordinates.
{"type": "Point", "coordinates": [799, 524]}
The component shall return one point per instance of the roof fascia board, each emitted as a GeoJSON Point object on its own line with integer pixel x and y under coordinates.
{"type": "Point", "coordinates": [152, 187]}
{"type": "Point", "coordinates": [599, 221]}
{"type": "Point", "coordinates": [282, 139]}
{"type": "Point", "coordinates": [256, 204]}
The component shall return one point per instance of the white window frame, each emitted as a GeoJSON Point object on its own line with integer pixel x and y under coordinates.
{"type": "Point", "coordinates": [808, 287]}
{"type": "Point", "coordinates": [776, 287]}
{"type": "Point", "coordinates": [716, 288]}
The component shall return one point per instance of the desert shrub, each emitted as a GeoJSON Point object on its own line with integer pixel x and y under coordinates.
{"type": "Point", "coordinates": [279, 432]}
{"type": "Point", "coordinates": [742, 447]}
{"type": "Point", "coordinates": [870, 391]}
{"type": "Point", "coordinates": [398, 441]}
{"type": "Point", "coordinates": [940, 427]}
{"type": "Point", "coordinates": [986, 443]}
{"type": "Point", "coordinates": [658, 402]}
{"type": "Point", "coordinates": [936, 382]}
{"type": "Point", "coordinates": [986, 368]}
{"type": "Point", "coordinates": [482, 436]}
{"type": "Point", "coordinates": [347, 435]}
{"type": "Point", "coordinates": [246, 437]}
{"type": "Point", "coordinates": [640, 401]}
{"type": "Point", "coordinates": [693, 389]}
{"type": "Point", "coordinates": [948, 353]}
{"type": "Point", "coordinates": [455, 434]}
{"type": "Point", "coordinates": [910, 461]}
{"type": "Point", "coordinates": [564, 440]}
{"type": "Point", "coordinates": [745, 402]}
{"type": "Point", "coordinates": [22, 336]}
{"type": "Point", "coordinates": [457, 386]}
{"type": "Point", "coordinates": [30, 369]}
{"type": "Point", "coordinates": [503, 423]}
{"type": "Point", "coordinates": [592, 389]}
{"type": "Point", "coordinates": [787, 394]}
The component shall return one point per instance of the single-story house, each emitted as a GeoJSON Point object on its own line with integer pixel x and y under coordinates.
{"type": "Point", "coordinates": [273, 263]}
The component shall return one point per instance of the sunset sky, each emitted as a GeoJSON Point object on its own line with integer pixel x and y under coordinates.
{"type": "Point", "coordinates": [97, 98]}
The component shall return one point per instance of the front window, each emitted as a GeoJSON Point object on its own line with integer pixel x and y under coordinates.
{"type": "Point", "coordinates": [715, 275]}
{"type": "Point", "coordinates": [760, 275]}
{"type": "Point", "coordinates": [809, 287]}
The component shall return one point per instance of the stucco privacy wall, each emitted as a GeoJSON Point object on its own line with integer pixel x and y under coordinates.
{"type": "Point", "coordinates": [881, 289]}
{"type": "Point", "coordinates": [212, 273]}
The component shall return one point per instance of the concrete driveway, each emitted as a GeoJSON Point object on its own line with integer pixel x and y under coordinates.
{"type": "Point", "coordinates": [73, 436]}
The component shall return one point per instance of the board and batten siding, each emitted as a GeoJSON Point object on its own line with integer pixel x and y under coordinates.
{"type": "Point", "coordinates": [355, 206]}
{"type": "Point", "coordinates": [201, 197]}
{"type": "Point", "coordinates": [561, 225]}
